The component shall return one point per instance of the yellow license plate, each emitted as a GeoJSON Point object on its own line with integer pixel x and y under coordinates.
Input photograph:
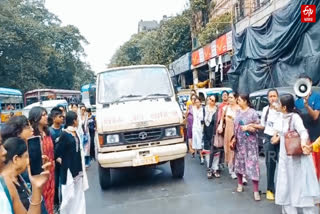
{"type": "Point", "coordinates": [148, 160]}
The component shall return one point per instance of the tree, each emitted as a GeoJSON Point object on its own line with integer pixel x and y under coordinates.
{"type": "Point", "coordinates": [161, 46]}
{"type": "Point", "coordinates": [216, 27]}
{"type": "Point", "coordinates": [36, 51]}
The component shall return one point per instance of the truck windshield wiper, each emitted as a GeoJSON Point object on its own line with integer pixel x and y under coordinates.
{"type": "Point", "coordinates": [126, 96]}
{"type": "Point", "coordinates": [154, 95]}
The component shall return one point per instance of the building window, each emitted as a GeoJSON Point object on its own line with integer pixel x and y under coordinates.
{"type": "Point", "coordinates": [194, 43]}
{"type": "Point", "coordinates": [241, 8]}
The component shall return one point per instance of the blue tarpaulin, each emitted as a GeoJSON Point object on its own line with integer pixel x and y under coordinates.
{"type": "Point", "coordinates": [276, 53]}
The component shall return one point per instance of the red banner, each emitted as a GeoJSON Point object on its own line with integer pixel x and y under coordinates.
{"type": "Point", "coordinates": [221, 43]}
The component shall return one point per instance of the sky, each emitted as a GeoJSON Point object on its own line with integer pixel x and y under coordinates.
{"type": "Point", "coordinates": [107, 24]}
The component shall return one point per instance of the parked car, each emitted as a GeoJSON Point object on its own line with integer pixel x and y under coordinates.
{"type": "Point", "coordinates": [203, 93]}
{"type": "Point", "coordinates": [259, 100]}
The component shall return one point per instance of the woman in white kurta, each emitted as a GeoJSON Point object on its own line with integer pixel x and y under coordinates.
{"type": "Point", "coordinates": [297, 185]}
{"type": "Point", "coordinates": [197, 128]}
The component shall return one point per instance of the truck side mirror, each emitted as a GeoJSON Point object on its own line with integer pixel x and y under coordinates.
{"type": "Point", "coordinates": [92, 100]}
{"type": "Point", "coordinates": [92, 96]}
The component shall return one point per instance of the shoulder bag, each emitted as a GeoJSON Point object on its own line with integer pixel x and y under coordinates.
{"type": "Point", "coordinates": [292, 141]}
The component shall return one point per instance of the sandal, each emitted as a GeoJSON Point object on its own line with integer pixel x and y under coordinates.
{"type": "Point", "coordinates": [240, 188]}
{"type": "Point", "coordinates": [209, 174]}
{"type": "Point", "coordinates": [216, 174]}
{"type": "Point", "coordinates": [256, 196]}
{"type": "Point", "coordinates": [244, 181]}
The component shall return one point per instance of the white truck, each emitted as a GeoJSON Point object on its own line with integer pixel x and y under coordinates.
{"type": "Point", "coordinates": [139, 121]}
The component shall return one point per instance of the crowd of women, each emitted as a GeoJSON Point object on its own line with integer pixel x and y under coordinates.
{"type": "Point", "coordinates": [67, 144]}
{"type": "Point", "coordinates": [227, 134]}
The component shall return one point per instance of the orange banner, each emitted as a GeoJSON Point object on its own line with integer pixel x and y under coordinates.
{"type": "Point", "coordinates": [207, 52]}
{"type": "Point", "coordinates": [221, 43]}
{"type": "Point", "coordinates": [195, 58]}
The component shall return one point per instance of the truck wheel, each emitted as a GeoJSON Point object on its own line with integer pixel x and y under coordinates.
{"type": "Point", "coordinates": [104, 177]}
{"type": "Point", "coordinates": [177, 167]}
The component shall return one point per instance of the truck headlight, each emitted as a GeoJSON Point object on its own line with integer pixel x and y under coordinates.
{"type": "Point", "coordinates": [113, 138]}
{"type": "Point", "coordinates": [169, 132]}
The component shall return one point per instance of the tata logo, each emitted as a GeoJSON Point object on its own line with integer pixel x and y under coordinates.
{"type": "Point", "coordinates": [308, 13]}
{"type": "Point", "coordinates": [143, 135]}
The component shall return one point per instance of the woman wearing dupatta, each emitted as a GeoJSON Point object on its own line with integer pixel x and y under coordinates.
{"type": "Point", "coordinates": [246, 162]}
{"type": "Point", "coordinates": [69, 153]}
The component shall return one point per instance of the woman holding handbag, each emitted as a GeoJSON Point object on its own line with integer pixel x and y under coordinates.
{"type": "Point", "coordinates": [297, 185]}
{"type": "Point", "coordinates": [246, 149]}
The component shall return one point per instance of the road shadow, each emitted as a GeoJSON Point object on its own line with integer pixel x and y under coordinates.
{"type": "Point", "coordinates": [144, 176]}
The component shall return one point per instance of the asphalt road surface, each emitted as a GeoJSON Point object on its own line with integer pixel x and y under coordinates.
{"type": "Point", "coordinates": [152, 190]}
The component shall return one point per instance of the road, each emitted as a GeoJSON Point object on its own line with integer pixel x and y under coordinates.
{"type": "Point", "coordinates": [153, 190]}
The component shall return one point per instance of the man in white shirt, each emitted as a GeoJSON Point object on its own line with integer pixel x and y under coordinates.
{"type": "Point", "coordinates": [268, 119]}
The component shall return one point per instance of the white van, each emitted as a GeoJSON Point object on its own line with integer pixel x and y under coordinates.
{"type": "Point", "coordinates": [139, 121]}
{"type": "Point", "coordinates": [47, 104]}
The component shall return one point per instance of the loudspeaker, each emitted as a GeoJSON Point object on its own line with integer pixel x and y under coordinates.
{"type": "Point", "coordinates": [302, 87]}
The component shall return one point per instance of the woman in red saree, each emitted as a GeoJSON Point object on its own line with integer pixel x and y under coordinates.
{"type": "Point", "coordinates": [38, 118]}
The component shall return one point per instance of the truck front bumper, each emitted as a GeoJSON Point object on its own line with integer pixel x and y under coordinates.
{"type": "Point", "coordinates": [128, 158]}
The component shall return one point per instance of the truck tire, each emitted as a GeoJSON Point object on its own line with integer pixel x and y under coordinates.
{"type": "Point", "coordinates": [104, 177]}
{"type": "Point", "coordinates": [177, 168]}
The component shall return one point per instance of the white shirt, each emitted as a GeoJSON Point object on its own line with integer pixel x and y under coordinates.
{"type": "Point", "coordinates": [197, 117]}
{"type": "Point", "coordinates": [272, 117]}
{"type": "Point", "coordinates": [5, 207]}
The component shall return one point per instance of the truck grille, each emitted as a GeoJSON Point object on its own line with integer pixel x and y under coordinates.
{"type": "Point", "coordinates": [143, 135]}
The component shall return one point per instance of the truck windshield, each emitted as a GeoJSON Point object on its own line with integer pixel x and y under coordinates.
{"type": "Point", "coordinates": [123, 84]}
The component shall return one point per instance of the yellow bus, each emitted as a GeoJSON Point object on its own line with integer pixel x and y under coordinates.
{"type": "Point", "coordinates": [11, 102]}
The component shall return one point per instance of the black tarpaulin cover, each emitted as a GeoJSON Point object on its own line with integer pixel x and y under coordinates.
{"type": "Point", "coordinates": [276, 53]}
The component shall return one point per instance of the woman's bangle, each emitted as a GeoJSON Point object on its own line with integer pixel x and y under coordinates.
{"type": "Point", "coordinates": [35, 204]}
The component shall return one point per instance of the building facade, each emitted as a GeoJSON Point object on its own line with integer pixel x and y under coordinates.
{"type": "Point", "coordinates": [254, 12]}
{"type": "Point", "coordinates": [212, 61]}
{"type": "Point", "coordinates": [145, 26]}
